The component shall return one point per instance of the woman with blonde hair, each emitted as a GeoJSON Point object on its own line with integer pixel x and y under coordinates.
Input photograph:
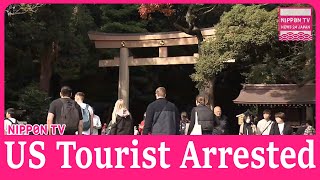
{"type": "Point", "coordinates": [121, 122]}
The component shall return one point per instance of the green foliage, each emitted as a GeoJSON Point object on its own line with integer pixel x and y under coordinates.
{"type": "Point", "coordinates": [249, 35]}
{"type": "Point", "coordinates": [122, 19]}
{"type": "Point", "coordinates": [35, 101]}
{"type": "Point", "coordinates": [30, 36]}
{"type": "Point", "coordinates": [209, 63]}
{"type": "Point", "coordinates": [247, 25]}
{"type": "Point", "coordinates": [75, 59]}
{"type": "Point", "coordinates": [118, 18]}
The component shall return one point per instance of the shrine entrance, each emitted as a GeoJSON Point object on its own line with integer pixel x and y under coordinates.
{"type": "Point", "coordinates": [125, 41]}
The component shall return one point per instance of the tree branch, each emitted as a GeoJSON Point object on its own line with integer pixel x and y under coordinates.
{"type": "Point", "coordinates": [190, 18]}
{"type": "Point", "coordinates": [207, 10]}
{"type": "Point", "coordinates": [195, 31]}
{"type": "Point", "coordinates": [203, 8]}
{"type": "Point", "coordinates": [210, 10]}
{"type": "Point", "coordinates": [22, 9]}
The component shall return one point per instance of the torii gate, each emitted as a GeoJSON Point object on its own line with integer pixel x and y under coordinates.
{"type": "Point", "coordinates": [124, 41]}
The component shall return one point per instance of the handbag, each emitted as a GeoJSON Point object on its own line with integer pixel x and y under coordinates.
{"type": "Point", "coordinates": [187, 128]}
{"type": "Point", "coordinates": [197, 127]}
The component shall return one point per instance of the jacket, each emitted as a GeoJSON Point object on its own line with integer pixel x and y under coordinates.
{"type": "Point", "coordinates": [287, 129]}
{"type": "Point", "coordinates": [221, 125]}
{"type": "Point", "coordinates": [123, 124]}
{"type": "Point", "coordinates": [205, 118]}
{"type": "Point", "coordinates": [162, 117]}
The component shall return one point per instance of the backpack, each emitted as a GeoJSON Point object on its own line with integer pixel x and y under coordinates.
{"type": "Point", "coordinates": [86, 118]}
{"type": "Point", "coordinates": [69, 116]}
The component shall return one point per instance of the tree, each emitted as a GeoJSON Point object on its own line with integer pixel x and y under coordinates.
{"type": "Point", "coordinates": [56, 37]}
{"type": "Point", "coordinates": [36, 102]}
{"type": "Point", "coordinates": [186, 18]}
{"type": "Point", "coordinates": [249, 35]}
{"type": "Point", "coordinates": [76, 57]}
{"type": "Point", "coordinates": [126, 19]}
{"type": "Point", "coordinates": [121, 19]}
{"type": "Point", "coordinates": [190, 19]}
{"type": "Point", "coordinates": [52, 40]}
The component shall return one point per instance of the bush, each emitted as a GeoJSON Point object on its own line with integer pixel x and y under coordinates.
{"type": "Point", "coordinates": [36, 102]}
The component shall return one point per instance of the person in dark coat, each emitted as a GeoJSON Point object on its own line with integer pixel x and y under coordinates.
{"type": "Point", "coordinates": [301, 129]}
{"type": "Point", "coordinates": [248, 127]}
{"type": "Point", "coordinates": [221, 125]}
{"type": "Point", "coordinates": [205, 117]}
{"type": "Point", "coordinates": [162, 116]}
{"type": "Point", "coordinates": [184, 123]}
{"type": "Point", "coordinates": [122, 123]}
{"type": "Point", "coordinates": [281, 127]}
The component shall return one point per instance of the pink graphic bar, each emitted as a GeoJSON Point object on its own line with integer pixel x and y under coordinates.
{"type": "Point", "coordinates": [162, 156]}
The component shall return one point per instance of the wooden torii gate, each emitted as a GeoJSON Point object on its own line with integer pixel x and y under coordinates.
{"type": "Point", "coordinates": [124, 41]}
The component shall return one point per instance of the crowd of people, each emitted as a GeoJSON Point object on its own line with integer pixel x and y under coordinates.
{"type": "Point", "coordinates": [161, 118]}
{"type": "Point", "coordinates": [266, 126]}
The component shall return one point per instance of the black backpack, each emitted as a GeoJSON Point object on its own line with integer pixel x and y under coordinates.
{"type": "Point", "coordinates": [69, 116]}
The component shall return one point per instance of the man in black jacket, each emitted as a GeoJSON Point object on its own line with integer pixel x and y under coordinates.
{"type": "Point", "coordinates": [221, 122]}
{"type": "Point", "coordinates": [162, 116]}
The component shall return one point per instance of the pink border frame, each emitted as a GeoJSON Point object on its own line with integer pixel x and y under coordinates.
{"type": "Point", "coordinates": [52, 170]}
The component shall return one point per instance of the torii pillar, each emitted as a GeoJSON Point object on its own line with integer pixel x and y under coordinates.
{"type": "Point", "coordinates": [123, 87]}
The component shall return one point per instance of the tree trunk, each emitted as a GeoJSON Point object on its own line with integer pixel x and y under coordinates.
{"type": "Point", "coordinates": [47, 60]}
{"type": "Point", "coordinates": [190, 18]}
{"type": "Point", "coordinates": [208, 92]}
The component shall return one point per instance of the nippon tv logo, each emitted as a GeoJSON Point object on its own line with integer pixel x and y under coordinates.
{"type": "Point", "coordinates": [295, 24]}
{"type": "Point", "coordinates": [43, 129]}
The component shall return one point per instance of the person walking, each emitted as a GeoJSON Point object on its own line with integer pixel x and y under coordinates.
{"type": "Point", "coordinates": [205, 117]}
{"type": "Point", "coordinates": [87, 113]}
{"type": "Point", "coordinates": [9, 120]}
{"type": "Point", "coordinates": [280, 127]}
{"type": "Point", "coordinates": [309, 129]}
{"type": "Point", "coordinates": [162, 116]}
{"type": "Point", "coordinates": [96, 124]}
{"type": "Point", "coordinates": [221, 125]}
{"type": "Point", "coordinates": [264, 125]}
{"type": "Point", "coordinates": [65, 111]}
{"type": "Point", "coordinates": [248, 127]}
{"type": "Point", "coordinates": [184, 123]}
{"type": "Point", "coordinates": [121, 122]}
{"type": "Point", "coordinates": [141, 125]}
